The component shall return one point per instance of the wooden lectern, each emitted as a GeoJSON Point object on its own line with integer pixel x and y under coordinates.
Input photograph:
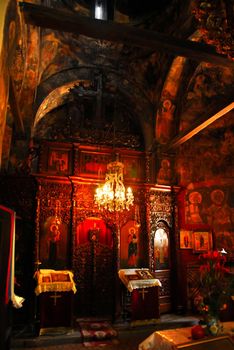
{"type": "Point", "coordinates": [55, 291]}
{"type": "Point", "coordinates": [140, 299]}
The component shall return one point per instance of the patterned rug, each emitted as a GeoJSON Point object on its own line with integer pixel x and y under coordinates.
{"type": "Point", "coordinates": [97, 333]}
{"type": "Point", "coordinates": [55, 331]}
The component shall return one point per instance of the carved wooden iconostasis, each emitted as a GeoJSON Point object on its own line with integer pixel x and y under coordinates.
{"type": "Point", "coordinates": [94, 264]}
{"type": "Point", "coordinates": [53, 223]}
{"type": "Point", "coordinates": [72, 233]}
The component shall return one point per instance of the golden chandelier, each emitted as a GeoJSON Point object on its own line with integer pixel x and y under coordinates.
{"type": "Point", "coordinates": [112, 195]}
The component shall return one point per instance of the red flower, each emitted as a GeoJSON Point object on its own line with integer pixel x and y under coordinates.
{"type": "Point", "coordinates": [213, 282]}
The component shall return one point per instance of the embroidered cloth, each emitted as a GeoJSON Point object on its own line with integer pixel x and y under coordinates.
{"type": "Point", "coordinates": [138, 278]}
{"type": "Point", "coordinates": [54, 281]}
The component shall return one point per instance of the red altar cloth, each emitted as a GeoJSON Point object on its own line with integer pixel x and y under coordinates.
{"type": "Point", "coordinates": [143, 288]}
{"type": "Point", "coordinates": [55, 290]}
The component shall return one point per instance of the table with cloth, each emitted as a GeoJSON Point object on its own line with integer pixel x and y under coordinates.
{"type": "Point", "coordinates": [179, 338]}
{"type": "Point", "coordinates": [140, 295]}
{"type": "Point", "coordinates": [55, 290]}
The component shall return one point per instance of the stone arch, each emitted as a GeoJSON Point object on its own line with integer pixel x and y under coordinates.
{"type": "Point", "coordinates": [51, 95]}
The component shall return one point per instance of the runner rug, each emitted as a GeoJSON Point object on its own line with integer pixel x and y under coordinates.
{"type": "Point", "coordinates": [98, 333]}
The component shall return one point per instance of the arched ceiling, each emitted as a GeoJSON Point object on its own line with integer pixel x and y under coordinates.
{"type": "Point", "coordinates": [158, 93]}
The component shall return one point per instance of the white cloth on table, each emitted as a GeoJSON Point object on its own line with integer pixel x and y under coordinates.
{"type": "Point", "coordinates": [132, 281]}
{"type": "Point", "coordinates": [54, 280]}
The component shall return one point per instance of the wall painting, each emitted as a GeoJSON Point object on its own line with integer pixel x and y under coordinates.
{"type": "Point", "coordinates": [129, 245]}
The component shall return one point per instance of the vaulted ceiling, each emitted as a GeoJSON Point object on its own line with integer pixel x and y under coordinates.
{"type": "Point", "coordinates": [147, 76]}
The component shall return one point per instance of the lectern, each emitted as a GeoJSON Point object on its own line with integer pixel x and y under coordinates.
{"type": "Point", "coordinates": [140, 299]}
{"type": "Point", "coordinates": [55, 291]}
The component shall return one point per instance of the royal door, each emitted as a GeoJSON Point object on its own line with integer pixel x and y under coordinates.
{"type": "Point", "coordinates": [94, 266]}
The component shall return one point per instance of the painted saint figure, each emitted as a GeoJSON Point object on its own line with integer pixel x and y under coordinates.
{"type": "Point", "coordinates": [94, 233]}
{"type": "Point", "coordinates": [53, 240]}
{"type": "Point", "coordinates": [193, 208]}
{"type": "Point", "coordinates": [186, 240]}
{"type": "Point", "coordinates": [202, 241]}
{"type": "Point", "coordinates": [161, 249]}
{"type": "Point", "coordinates": [132, 247]}
{"type": "Point", "coordinates": [164, 124]}
{"type": "Point", "coordinates": [164, 174]}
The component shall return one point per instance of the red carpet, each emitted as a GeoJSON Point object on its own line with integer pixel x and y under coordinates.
{"type": "Point", "coordinates": [97, 333]}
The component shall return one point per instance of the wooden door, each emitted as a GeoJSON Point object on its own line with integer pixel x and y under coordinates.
{"type": "Point", "coordinates": [95, 272]}
{"type": "Point", "coordinates": [162, 264]}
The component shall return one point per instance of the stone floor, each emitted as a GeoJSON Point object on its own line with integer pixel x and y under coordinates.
{"type": "Point", "coordinates": [129, 336]}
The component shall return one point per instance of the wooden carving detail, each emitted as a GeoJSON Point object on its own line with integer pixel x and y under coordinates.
{"type": "Point", "coordinates": [165, 289]}
{"type": "Point", "coordinates": [160, 212]}
{"type": "Point", "coordinates": [83, 198]}
{"type": "Point", "coordinates": [94, 270]}
{"type": "Point", "coordinates": [148, 165]}
{"type": "Point", "coordinates": [49, 194]}
{"type": "Point", "coordinates": [160, 206]}
{"type": "Point", "coordinates": [193, 283]}
{"type": "Point", "coordinates": [84, 207]}
{"type": "Point", "coordinates": [82, 267]}
{"type": "Point", "coordinates": [159, 209]}
{"type": "Point", "coordinates": [104, 272]}
{"type": "Point", "coordinates": [53, 218]}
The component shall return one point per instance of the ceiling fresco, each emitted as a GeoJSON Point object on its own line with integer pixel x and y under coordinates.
{"type": "Point", "coordinates": [159, 94]}
{"type": "Point", "coordinates": [149, 81]}
{"type": "Point", "coordinates": [209, 154]}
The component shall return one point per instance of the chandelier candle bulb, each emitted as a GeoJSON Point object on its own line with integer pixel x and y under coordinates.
{"type": "Point", "coordinates": [112, 195]}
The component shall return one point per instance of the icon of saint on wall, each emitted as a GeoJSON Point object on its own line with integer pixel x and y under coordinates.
{"type": "Point", "coordinates": [132, 247]}
{"type": "Point", "coordinates": [53, 243]}
{"type": "Point", "coordinates": [161, 248]}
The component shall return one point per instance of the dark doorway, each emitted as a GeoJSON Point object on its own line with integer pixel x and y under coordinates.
{"type": "Point", "coordinates": [94, 269]}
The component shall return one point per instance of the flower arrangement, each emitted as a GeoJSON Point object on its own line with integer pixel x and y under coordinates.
{"type": "Point", "coordinates": [214, 284]}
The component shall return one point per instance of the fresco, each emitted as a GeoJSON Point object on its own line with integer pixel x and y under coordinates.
{"type": "Point", "coordinates": [27, 93]}
{"type": "Point", "coordinates": [164, 175]}
{"type": "Point", "coordinates": [11, 34]}
{"type": "Point", "coordinates": [165, 115]}
{"type": "Point", "coordinates": [164, 122]}
{"type": "Point", "coordinates": [130, 245]}
{"type": "Point", "coordinates": [208, 87]}
{"type": "Point", "coordinates": [205, 157]}
{"type": "Point", "coordinates": [205, 172]}
{"type": "Point", "coordinates": [3, 102]}
{"type": "Point", "coordinates": [6, 146]}
{"type": "Point", "coordinates": [211, 207]}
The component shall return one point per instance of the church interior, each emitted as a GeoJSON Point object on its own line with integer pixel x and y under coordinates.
{"type": "Point", "coordinates": [116, 158]}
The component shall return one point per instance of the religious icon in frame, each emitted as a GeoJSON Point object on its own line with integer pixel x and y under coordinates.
{"type": "Point", "coordinates": [186, 239]}
{"type": "Point", "coordinates": [202, 241]}
{"type": "Point", "coordinates": [93, 163]}
{"type": "Point", "coordinates": [161, 248]}
{"type": "Point", "coordinates": [129, 245]}
{"type": "Point", "coordinates": [133, 167]}
{"type": "Point", "coordinates": [144, 274]}
{"type": "Point", "coordinates": [58, 161]}
{"type": "Point", "coordinates": [53, 247]}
